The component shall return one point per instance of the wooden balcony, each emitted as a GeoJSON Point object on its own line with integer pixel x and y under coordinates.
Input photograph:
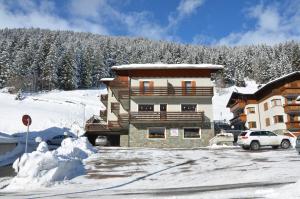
{"type": "Point", "coordinates": [292, 109]}
{"type": "Point", "coordinates": [123, 98]}
{"type": "Point", "coordinates": [115, 108]}
{"type": "Point", "coordinates": [239, 105]}
{"type": "Point", "coordinates": [291, 91]}
{"type": "Point", "coordinates": [173, 91]}
{"type": "Point", "coordinates": [242, 118]}
{"type": "Point", "coordinates": [95, 127]}
{"type": "Point", "coordinates": [123, 120]}
{"type": "Point", "coordinates": [166, 117]}
{"type": "Point", "coordinates": [293, 126]}
{"type": "Point", "coordinates": [103, 114]}
{"type": "Point", "coordinates": [104, 99]}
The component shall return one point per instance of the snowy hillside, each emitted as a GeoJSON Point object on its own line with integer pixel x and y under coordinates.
{"type": "Point", "coordinates": [60, 111]}
{"type": "Point", "coordinates": [55, 111]}
{"type": "Point", "coordinates": [222, 96]}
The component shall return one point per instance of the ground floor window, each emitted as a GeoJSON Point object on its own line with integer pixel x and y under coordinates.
{"type": "Point", "coordinates": [191, 133]}
{"type": "Point", "coordinates": [278, 119]}
{"type": "Point", "coordinates": [157, 132]}
{"type": "Point", "coordinates": [252, 125]}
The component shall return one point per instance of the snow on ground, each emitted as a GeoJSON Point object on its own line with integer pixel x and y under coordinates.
{"type": "Point", "coordinates": [50, 111]}
{"type": "Point", "coordinates": [43, 167]}
{"type": "Point", "coordinates": [144, 173]}
{"type": "Point", "coordinates": [222, 96]}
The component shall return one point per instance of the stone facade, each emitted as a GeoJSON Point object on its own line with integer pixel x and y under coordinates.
{"type": "Point", "coordinates": [138, 137]}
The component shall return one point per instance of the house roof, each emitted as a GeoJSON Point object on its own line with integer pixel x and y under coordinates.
{"type": "Point", "coordinates": [106, 79]}
{"type": "Point", "coordinates": [166, 66]}
{"type": "Point", "coordinates": [268, 86]}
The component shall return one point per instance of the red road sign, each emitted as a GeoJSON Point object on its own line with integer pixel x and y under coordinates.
{"type": "Point", "coordinates": [26, 119]}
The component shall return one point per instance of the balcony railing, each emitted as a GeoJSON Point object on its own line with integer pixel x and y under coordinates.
{"type": "Point", "coordinates": [242, 118]}
{"type": "Point", "coordinates": [238, 106]}
{"type": "Point", "coordinates": [103, 114]}
{"type": "Point", "coordinates": [291, 91]}
{"type": "Point", "coordinates": [172, 91]}
{"type": "Point", "coordinates": [104, 98]}
{"type": "Point", "coordinates": [292, 108]}
{"type": "Point", "coordinates": [184, 117]}
{"type": "Point", "coordinates": [293, 126]}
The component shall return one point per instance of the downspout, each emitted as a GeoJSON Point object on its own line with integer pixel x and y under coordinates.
{"type": "Point", "coordinates": [129, 110]}
{"type": "Point", "coordinates": [259, 115]}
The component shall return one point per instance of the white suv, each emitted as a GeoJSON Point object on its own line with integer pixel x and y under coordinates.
{"type": "Point", "coordinates": [255, 139]}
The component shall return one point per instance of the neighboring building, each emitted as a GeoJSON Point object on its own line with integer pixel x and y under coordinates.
{"type": "Point", "coordinates": [272, 107]}
{"type": "Point", "coordinates": [157, 105]}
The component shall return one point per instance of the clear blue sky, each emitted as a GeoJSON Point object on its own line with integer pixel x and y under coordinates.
{"type": "Point", "coordinates": [208, 22]}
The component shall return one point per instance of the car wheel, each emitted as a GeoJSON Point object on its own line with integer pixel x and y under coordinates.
{"type": "Point", "coordinates": [254, 145]}
{"type": "Point", "coordinates": [275, 147]}
{"type": "Point", "coordinates": [245, 147]}
{"type": "Point", "coordinates": [285, 144]}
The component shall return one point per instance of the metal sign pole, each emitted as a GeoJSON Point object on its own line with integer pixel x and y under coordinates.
{"type": "Point", "coordinates": [27, 135]}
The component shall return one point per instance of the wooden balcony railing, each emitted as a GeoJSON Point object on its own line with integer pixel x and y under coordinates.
{"type": "Point", "coordinates": [172, 91]}
{"type": "Point", "coordinates": [186, 117]}
{"type": "Point", "coordinates": [242, 118]}
{"type": "Point", "coordinates": [291, 91]}
{"type": "Point", "coordinates": [115, 106]}
{"type": "Point", "coordinates": [292, 108]}
{"type": "Point", "coordinates": [104, 98]}
{"type": "Point", "coordinates": [293, 126]}
{"type": "Point", "coordinates": [103, 114]}
{"type": "Point", "coordinates": [238, 106]}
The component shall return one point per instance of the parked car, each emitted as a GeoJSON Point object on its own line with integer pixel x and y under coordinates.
{"type": "Point", "coordinates": [102, 141]}
{"type": "Point", "coordinates": [255, 139]}
{"type": "Point", "coordinates": [56, 140]}
{"type": "Point", "coordinates": [298, 144]}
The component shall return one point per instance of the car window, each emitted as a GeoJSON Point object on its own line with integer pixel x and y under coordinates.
{"type": "Point", "coordinates": [271, 133]}
{"type": "Point", "coordinates": [264, 133]}
{"type": "Point", "coordinates": [243, 133]}
{"type": "Point", "coordinates": [255, 133]}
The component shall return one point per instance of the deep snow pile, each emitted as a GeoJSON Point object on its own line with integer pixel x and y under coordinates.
{"type": "Point", "coordinates": [44, 168]}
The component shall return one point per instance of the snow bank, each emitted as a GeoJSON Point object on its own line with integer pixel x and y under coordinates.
{"type": "Point", "coordinates": [45, 168]}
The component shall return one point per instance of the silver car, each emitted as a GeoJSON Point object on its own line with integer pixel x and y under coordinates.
{"type": "Point", "coordinates": [298, 144]}
{"type": "Point", "coordinates": [101, 141]}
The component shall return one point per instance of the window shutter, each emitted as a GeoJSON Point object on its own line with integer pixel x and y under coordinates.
{"type": "Point", "coordinates": [193, 87]}
{"type": "Point", "coordinates": [141, 87]}
{"type": "Point", "coordinates": [151, 86]}
{"type": "Point", "coordinates": [183, 88]}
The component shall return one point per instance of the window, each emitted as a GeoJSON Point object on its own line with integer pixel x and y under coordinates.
{"type": "Point", "coordinates": [146, 107]}
{"type": "Point", "coordinates": [267, 121]}
{"type": "Point", "coordinates": [269, 133]}
{"type": "Point", "coordinates": [252, 125]}
{"type": "Point", "coordinates": [255, 133]}
{"type": "Point", "coordinates": [188, 107]}
{"type": "Point", "coordinates": [278, 119]}
{"type": "Point", "coordinates": [276, 102]}
{"type": "Point", "coordinates": [191, 133]}
{"type": "Point", "coordinates": [289, 100]}
{"type": "Point", "coordinates": [250, 110]}
{"type": "Point", "coordinates": [146, 86]}
{"type": "Point", "coordinates": [188, 87]}
{"type": "Point", "coordinates": [157, 132]}
{"type": "Point", "coordinates": [266, 106]}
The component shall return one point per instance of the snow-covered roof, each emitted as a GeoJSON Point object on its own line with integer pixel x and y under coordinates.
{"type": "Point", "coordinates": [106, 79]}
{"type": "Point", "coordinates": [278, 79]}
{"type": "Point", "coordinates": [167, 66]}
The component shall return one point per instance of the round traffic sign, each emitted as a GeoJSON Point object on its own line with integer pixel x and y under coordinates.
{"type": "Point", "coordinates": [26, 119]}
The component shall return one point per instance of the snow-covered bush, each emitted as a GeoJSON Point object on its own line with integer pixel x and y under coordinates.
{"type": "Point", "coordinates": [44, 168]}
